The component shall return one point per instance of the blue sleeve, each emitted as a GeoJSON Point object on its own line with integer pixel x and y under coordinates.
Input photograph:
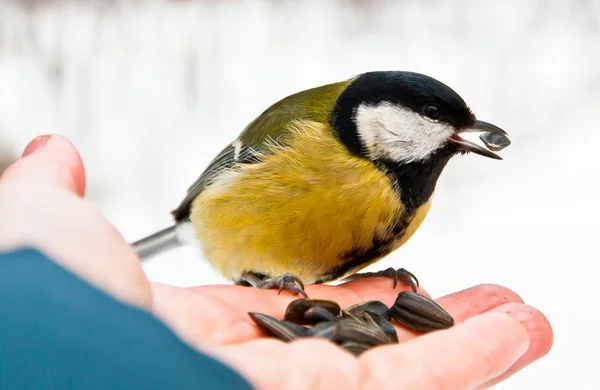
{"type": "Point", "coordinates": [59, 332]}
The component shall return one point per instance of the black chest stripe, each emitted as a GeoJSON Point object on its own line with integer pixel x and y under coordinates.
{"type": "Point", "coordinates": [379, 248]}
{"type": "Point", "coordinates": [416, 181]}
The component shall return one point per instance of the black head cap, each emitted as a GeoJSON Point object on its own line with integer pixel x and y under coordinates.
{"type": "Point", "coordinates": [420, 93]}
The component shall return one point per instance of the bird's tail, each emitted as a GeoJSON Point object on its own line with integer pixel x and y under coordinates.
{"type": "Point", "coordinates": [157, 243]}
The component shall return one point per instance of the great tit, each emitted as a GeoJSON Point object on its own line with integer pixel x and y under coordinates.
{"type": "Point", "coordinates": [325, 182]}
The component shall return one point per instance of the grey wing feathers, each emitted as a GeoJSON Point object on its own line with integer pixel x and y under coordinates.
{"type": "Point", "coordinates": [224, 160]}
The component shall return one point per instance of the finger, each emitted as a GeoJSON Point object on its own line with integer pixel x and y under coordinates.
{"type": "Point", "coordinates": [49, 159]}
{"type": "Point", "coordinates": [540, 333]}
{"type": "Point", "coordinates": [462, 357]}
{"type": "Point", "coordinates": [468, 303]}
{"type": "Point", "coordinates": [477, 300]}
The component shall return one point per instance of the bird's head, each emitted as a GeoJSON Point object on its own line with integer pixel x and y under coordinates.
{"type": "Point", "coordinates": [404, 117]}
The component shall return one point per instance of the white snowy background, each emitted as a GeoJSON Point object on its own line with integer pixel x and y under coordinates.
{"type": "Point", "coordinates": [149, 91]}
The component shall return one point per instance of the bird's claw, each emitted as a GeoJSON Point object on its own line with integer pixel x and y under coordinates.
{"type": "Point", "coordinates": [399, 274]}
{"type": "Point", "coordinates": [288, 282]}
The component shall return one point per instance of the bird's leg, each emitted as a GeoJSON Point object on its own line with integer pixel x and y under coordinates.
{"type": "Point", "coordinates": [289, 282]}
{"type": "Point", "coordinates": [396, 274]}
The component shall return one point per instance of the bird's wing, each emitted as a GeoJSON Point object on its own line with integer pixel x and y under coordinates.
{"type": "Point", "coordinates": [224, 160]}
{"type": "Point", "coordinates": [262, 134]}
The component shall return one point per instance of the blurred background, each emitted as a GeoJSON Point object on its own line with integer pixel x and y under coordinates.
{"type": "Point", "coordinates": [150, 91]}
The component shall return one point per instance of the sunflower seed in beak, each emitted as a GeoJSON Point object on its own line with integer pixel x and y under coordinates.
{"type": "Point", "coordinates": [494, 141]}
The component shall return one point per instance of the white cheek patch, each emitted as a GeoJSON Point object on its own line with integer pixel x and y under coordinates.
{"type": "Point", "coordinates": [398, 133]}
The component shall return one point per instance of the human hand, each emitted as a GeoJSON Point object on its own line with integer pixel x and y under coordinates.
{"type": "Point", "coordinates": [495, 333]}
{"type": "Point", "coordinates": [42, 206]}
{"type": "Point", "coordinates": [495, 336]}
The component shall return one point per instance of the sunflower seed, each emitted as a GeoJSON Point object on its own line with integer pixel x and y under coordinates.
{"type": "Point", "coordinates": [494, 141]}
{"type": "Point", "coordinates": [283, 330]}
{"type": "Point", "coordinates": [323, 330]}
{"type": "Point", "coordinates": [383, 324]}
{"type": "Point", "coordinates": [355, 348]}
{"type": "Point", "coordinates": [419, 313]}
{"type": "Point", "coordinates": [297, 308]}
{"type": "Point", "coordinates": [317, 314]}
{"type": "Point", "coordinates": [361, 332]}
{"type": "Point", "coordinates": [349, 316]}
{"type": "Point", "coordinates": [377, 307]}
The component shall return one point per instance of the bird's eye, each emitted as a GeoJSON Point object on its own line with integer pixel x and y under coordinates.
{"type": "Point", "coordinates": [431, 111]}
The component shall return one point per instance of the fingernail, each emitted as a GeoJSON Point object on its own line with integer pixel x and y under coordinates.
{"type": "Point", "coordinates": [35, 145]}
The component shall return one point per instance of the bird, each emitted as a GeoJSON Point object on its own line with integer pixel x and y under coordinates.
{"type": "Point", "coordinates": [325, 182]}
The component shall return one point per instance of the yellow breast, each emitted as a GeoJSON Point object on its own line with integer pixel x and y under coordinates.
{"type": "Point", "coordinates": [298, 210]}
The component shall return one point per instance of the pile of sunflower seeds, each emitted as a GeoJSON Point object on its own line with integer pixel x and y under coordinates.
{"type": "Point", "coordinates": [360, 327]}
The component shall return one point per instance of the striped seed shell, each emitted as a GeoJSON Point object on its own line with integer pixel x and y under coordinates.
{"type": "Point", "coordinates": [383, 324]}
{"type": "Point", "coordinates": [494, 141]}
{"type": "Point", "coordinates": [317, 314]}
{"type": "Point", "coordinates": [296, 309]}
{"type": "Point", "coordinates": [419, 313]}
{"type": "Point", "coordinates": [283, 330]}
{"type": "Point", "coordinates": [355, 348]}
{"type": "Point", "coordinates": [372, 306]}
{"type": "Point", "coordinates": [324, 330]}
{"type": "Point", "coordinates": [360, 332]}
{"type": "Point", "coordinates": [349, 316]}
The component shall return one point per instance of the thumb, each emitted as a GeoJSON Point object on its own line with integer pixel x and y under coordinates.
{"type": "Point", "coordinates": [50, 159]}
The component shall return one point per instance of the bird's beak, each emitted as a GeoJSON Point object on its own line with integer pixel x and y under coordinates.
{"type": "Point", "coordinates": [468, 146]}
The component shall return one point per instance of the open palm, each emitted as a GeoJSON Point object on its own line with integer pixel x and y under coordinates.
{"type": "Point", "coordinates": [495, 334]}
